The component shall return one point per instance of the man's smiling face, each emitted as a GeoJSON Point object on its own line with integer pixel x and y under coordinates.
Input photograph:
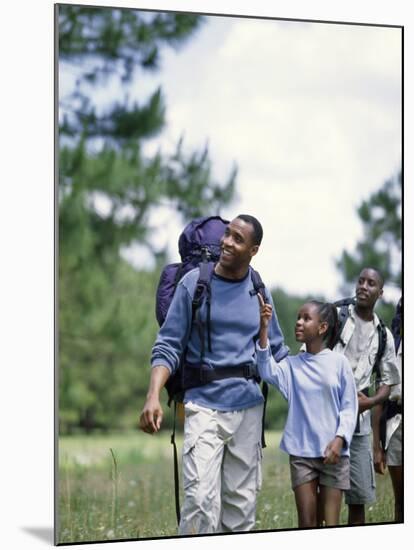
{"type": "Point", "coordinates": [237, 245]}
{"type": "Point", "coordinates": [368, 288]}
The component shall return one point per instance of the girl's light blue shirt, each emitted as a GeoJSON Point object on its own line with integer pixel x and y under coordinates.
{"type": "Point", "coordinates": [322, 399]}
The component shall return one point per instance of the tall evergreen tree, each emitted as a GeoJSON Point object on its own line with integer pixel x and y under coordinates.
{"type": "Point", "coordinates": [101, 160]}
{"type": "Point", "coordinates": [380, 246]}
{"type": "Point", "coordinates": [107, 190]}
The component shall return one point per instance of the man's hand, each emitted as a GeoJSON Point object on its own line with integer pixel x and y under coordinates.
{"type": "Point", "coordinates": [151, 416]}
{"type": "Point", "coordinates": [379, 460]}
{"type": "Point", "coordinates": [333, 451]}
{"type": "Point", "coordinates": [364, 402]}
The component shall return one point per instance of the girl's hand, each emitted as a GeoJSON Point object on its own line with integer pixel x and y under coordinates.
{"type": "Point", "coordinates": [265, 316]}
{"type": "Point", "coordinates": [333, 451]}
{"type": "Point", "coordinates": [266, 311]}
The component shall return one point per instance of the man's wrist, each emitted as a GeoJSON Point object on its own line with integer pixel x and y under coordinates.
{"type": "Point", "coordinates": [153, 394]}
{"type": "Point", "coordinates": [159, 376]}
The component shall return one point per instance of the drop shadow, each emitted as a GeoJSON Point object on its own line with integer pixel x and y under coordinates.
{"type": "Point", "coordinates": [42, 533]}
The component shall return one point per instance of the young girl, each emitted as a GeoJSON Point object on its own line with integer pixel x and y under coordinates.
{"type": "Point", "coordinates": [322, 411]}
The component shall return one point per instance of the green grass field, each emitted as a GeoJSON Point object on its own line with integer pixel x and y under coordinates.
{"type": "Point", "coordinates": [121, 487]}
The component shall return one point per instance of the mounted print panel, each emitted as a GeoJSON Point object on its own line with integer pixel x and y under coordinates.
{"type": "Point", "coordinates": [234, 150]}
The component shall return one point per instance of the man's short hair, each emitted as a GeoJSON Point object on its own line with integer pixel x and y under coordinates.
{"type": "Point", "coordinates": [379, 274]}
{"type": "Point", "coordinates": [257, 227]}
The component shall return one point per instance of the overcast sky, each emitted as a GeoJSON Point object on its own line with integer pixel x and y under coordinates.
{"type": "Point", "coordinates": [311, 115]}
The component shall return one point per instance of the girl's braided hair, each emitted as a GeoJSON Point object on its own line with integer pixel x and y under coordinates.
{"type": "Point", "coordinates": [328, 314]}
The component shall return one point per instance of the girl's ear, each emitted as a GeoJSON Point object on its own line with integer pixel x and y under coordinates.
{"type": "Point", "coordinates": [323, 327]}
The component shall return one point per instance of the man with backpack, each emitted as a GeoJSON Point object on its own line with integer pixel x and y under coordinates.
{"type": "Point", "coordinates": [369, 347]}
{"type": "Point", "coordinates": [223, 417]}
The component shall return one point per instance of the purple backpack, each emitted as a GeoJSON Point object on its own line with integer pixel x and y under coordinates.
{"type": "Point", "coordinates": [198, 243]}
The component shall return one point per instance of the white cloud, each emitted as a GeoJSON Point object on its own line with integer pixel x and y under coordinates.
{"type": "Point", "coordinates": [311, 113]}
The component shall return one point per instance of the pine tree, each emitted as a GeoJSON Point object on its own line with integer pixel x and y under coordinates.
{"type": "Point", "coordinates": [108, 189]}
{"type": "Point", "coordinates": [380, 246]}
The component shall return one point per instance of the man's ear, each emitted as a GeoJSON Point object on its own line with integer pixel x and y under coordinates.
{"type": "Point", "coordinates": [254, 250]}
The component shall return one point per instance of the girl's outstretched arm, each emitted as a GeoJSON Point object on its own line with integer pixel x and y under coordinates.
{"type": "Point", "coordinates": [266, 311]}
{"type": "Point", "coordinates": [273, 373]}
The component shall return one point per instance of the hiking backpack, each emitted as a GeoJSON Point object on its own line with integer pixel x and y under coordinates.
{"type": "Point", "coordinates": [199, 246]}
{"type": "Point", "coordinates": [343, 315]}
{"type": "Point", "coordinates": [391, 408]}
{"type": "Point", "coordinates": [396, 324]}
{"type": "Point", "coordinates": [198, 243]}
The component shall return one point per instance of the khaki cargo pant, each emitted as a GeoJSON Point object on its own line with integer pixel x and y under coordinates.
{"type": "Point", "coordinates": [221, 469]}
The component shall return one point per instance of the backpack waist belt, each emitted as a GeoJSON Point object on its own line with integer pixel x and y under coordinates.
{"type": "Point", "coordinates": [208, 374]}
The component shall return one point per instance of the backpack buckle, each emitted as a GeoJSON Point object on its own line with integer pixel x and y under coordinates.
{"type": "Point", "coordinates": [249, 371]}
{"type": "Point", "coordinates": [205, 254]}
{"type": "Point", "coordinates": [198, 294]}
{"type": "Point", "coordinates": [257, 290]}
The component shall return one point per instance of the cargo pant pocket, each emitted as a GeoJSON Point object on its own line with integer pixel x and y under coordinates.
{"type": "Point", "coordinates": [195, 421]}
{"type": "Point", "coordinates": [190, 469]}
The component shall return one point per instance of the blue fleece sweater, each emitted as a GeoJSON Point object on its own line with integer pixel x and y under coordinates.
{"type": "Point", "coordinates": [235, 321]}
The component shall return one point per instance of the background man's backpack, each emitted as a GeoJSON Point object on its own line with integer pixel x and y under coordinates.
{"type": "Point", "coordinates": [343, 315]}
{"type": "Point", "coordinates": [391, 408]}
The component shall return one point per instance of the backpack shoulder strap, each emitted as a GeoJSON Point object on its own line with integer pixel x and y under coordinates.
{"type": "Point", "coordinates": [203, 283]}
{"type": "Point", "coordinates": [343, 315]}
{"type": "Point", "coordinates": [382, 343]}
{"type": "Point", "coordinates": [258, 285]}
{"type": "Point", "coordinates": [203, 292]}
